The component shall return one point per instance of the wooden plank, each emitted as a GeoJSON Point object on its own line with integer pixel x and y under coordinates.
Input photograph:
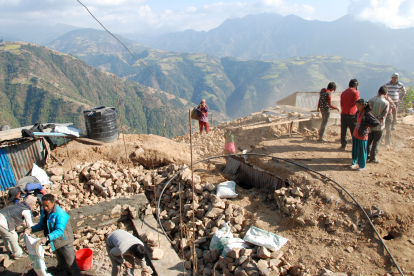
{"type": "Point", "coordinates": [170, 264]}
{"type": "Point", "coordinates": [275, 124]}
{"type": "Point", "coordinates": [88, 141]}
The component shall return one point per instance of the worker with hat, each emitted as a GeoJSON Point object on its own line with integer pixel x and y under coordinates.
{"type": "Point", "coordinates": [25, 186]}
{"type": "Point", "coordinates": [12, 217]}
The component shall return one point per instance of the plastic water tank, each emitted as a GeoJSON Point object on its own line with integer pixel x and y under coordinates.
{"type": "Point", "coordinates": [101, 123]}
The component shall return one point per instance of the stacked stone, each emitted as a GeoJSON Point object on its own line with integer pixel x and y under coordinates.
{"type": "Point", "coordinates": [290, 200]}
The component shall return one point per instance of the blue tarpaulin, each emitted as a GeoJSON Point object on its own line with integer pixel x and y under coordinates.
{"type": "Point", "coordinates": [6, 173]}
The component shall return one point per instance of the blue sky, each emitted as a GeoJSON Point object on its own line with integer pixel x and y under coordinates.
{"type": "Point", "coordinates": [160, 16]}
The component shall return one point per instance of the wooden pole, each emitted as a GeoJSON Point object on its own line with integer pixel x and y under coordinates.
{"type": "Point", "coordinates": [67, 148]}
{"type": "Point", "coordinates": [120, 118]}
{"type": "Point", "coordinates": [193, 192]}
{"type": "Point", "coordinates": [163, 130]}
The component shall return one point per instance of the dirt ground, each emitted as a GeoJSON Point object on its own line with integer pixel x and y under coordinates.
{"type": "Point", "coordinates": [346, 244]}
{"type": "Point", "coordinates": [388, 186]}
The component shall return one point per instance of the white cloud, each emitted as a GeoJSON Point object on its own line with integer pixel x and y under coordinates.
{"type": "Point", "coordinates": [392, 13]}
{"type": "Point", "coordinates": [127, 16]}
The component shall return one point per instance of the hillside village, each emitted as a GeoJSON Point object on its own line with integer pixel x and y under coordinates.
{"type": "Point", "coordinates": [118, 149]}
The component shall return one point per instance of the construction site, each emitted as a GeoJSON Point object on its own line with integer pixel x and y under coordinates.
{"type": "Point", "coordinates": [144, 184]}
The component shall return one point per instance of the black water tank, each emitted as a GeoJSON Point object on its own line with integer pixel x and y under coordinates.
{"type": "Point", "coordinates": [101, 123]}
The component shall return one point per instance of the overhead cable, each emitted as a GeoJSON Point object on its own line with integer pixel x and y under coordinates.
{"type": "Point", "coordinates": [172, 90]}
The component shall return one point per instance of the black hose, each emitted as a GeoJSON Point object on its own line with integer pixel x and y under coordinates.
{"type": "Point", "coordinates": [288, 161]}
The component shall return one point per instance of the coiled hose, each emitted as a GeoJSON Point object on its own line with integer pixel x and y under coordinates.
{"type": "Point", "coordinates": [287, 161]}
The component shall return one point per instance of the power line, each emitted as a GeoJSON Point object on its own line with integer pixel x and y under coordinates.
{"type": "Point", "coordinates": [172, 90]}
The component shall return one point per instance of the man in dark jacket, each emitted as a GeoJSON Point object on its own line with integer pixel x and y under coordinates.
{"type": "Point", "coordinates": [25, 186]}
{"type": "Point", "coordinates": [10, 218]}
{"type": "Point", "coordinates": [56, 226]}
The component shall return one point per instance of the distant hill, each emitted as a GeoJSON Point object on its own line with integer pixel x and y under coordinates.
{"type": "Point", "coordinates": [33, 33]}
{"type": "Point", "coordinates": [232, 86]}
{"type": "Point", "coordinates": [269, 36]}
{"type": "Point", "coordinates": [41, 85]}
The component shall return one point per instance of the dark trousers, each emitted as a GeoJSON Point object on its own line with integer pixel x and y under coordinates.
{"type": "Point", "coordinates": [325, 118]}
{"type": "Point", "coordinates": [347, 121]}
{"type": "Point", "coordinates": [374, 139]}
{"type": "Point", "coordinates": [67, 260]}
{"type": "Point", "coordinates": [388, 125]}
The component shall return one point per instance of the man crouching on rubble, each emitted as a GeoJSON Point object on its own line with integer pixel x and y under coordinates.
{"type": "Point", "coordinates": [58, 232]}
{"type": "Point", "coordinates": [122, 247]}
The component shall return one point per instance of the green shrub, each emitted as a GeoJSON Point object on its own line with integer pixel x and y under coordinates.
{"type": "Point", "coordinates": [407, 102]}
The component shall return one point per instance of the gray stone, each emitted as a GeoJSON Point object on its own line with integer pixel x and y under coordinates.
{"type": "Point", "coordinates": [263, 268]}
{"type": "Point", "coordinates": [234, 253]}
{"type": "Point", "coordinates": [214, 213]}
{"type": "Point", "coordinates": [296, 192]}
{"type": "Point", "coordinates": [263, 253]}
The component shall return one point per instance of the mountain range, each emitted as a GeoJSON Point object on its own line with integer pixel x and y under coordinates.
{"type": "Point", "coordinates": [38, 84]}
{"type": "Point", "coordinates": [232, 86]}
{"type": "Point", "coordinates": [270, 36]}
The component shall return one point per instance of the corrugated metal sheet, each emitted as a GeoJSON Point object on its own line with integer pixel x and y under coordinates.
{"type": "Point", "coordinates": [308, 100]}
{"type": "Point", "coordinates": [257, 178]}
{"type": "Point", "coordinates": [21, 157]}
{"type": "Point", "coordinates": [6, 173]}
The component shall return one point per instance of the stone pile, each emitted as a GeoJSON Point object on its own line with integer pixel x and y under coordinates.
{"type": "Point", "coordinates": [210, 212]}
{"type": "Point", "coordinates": [92, 183]}
{"type": "Point", "coordinates": [290, 200]}
{"type": "Point", "coordinates": [212, 144]}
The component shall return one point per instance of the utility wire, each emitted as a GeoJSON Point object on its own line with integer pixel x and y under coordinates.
{"type": "Point", "coordinates": [172, 90]}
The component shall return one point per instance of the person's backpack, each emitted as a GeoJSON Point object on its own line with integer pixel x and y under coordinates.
{"type": "Point", "coordinates": [194, 114]}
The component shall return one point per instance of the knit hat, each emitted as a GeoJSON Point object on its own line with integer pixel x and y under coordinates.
{"type": "Point", "coordinates": [383, 90]}
{"type": "Point", "coordinates": [13, 192]}
{"type": "Point", "coordinates": [395, 75]}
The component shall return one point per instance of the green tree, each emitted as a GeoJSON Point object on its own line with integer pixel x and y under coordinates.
{"type": "Point", "coordinates": [409, 97]}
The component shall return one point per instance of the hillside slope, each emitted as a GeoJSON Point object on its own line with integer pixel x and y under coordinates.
{"type": "Point", "coordinates": [232, 86]}
{"type": "Point", "coordinates": [270, 36]}
{"type": "Point", "coordinates": [41, 85]}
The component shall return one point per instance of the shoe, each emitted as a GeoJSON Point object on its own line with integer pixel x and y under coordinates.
{"type": "Point", "coordinates": [321, 140]}
{"type": "Point", "coordinates": [343, 148]}
{"type": "Point", "coordinates": [375, 161]}
{"type": "Point", "coordinates": [23, 255]}
{"type": "Point", "coordinates": [393, 128]}
{"type": "Point", "coordinates": [362, 169]}
{"type": "Point", "coordinates": [353, 166]}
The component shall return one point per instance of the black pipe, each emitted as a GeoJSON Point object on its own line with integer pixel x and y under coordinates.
{"type": "Point", "coordinates": [291, 162]}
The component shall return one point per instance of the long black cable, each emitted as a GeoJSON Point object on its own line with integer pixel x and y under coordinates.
{"type": "Point", "coordinates": [293, 163]}
{"type": "Point", "coordinates": [172, 90]}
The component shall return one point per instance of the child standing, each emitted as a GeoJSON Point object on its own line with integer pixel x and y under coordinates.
{"type": "Point", "coordinates": [229, 147]}
{"type": "Point", "coordinates": [365, 120]}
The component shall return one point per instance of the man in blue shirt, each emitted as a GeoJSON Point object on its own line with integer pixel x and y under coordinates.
{"type": "Point", "coordinates": [57, 229]}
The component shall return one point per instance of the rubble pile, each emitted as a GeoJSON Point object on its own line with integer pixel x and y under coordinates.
{"type": "Point", "coordinates": [289, 200]}
{"type": "Point", "coordinates": [92, 183]}
{"type": "Point", "coordinates": [210, 213]}
{"type": "Point", "coordinates": [212, 144]}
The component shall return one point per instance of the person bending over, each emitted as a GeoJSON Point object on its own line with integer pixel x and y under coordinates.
{"type": "Point", "coordinates": [123, 248]}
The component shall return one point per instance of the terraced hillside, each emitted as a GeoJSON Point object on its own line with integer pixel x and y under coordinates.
{"type": "Point", "coordinates": [232, 86]}
{"type": "Point", "coordinates": [41, 85]}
